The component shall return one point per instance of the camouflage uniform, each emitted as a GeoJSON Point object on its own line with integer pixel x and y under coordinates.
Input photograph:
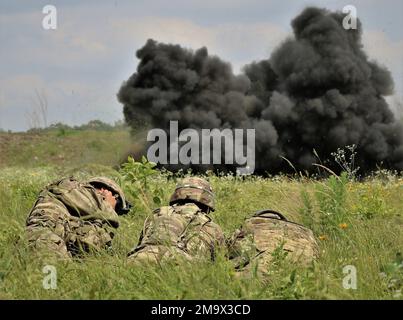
{"type": "Point", "coordinates": [71, 217]}
{"type": "Point", "coordinates": [183, 230]}
{"type": "Point", "coordinates": [268, 234]}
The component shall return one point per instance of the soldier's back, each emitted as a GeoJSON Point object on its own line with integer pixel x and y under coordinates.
{"type": "Point", "coordinates": [68, 218]}
{"type": "Point", "coordinates": [183, 231]}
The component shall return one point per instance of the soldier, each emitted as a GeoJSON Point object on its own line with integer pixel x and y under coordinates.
{"type": "Point", "coordinates": [72, 217]}
{"type": "Point", "coordinates": [267, 234]}
{"type": "Point", "coordinates": [184, 229]}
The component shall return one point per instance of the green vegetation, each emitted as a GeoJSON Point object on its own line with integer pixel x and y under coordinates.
{"type": "Point", "coordinates": [64, 147]}
{"type": "Point", "coordinates": [356, 223]}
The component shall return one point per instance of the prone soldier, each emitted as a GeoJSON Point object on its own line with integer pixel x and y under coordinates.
{"type": "Point", "coordinates": [72, 217]}
{"type": "Point", "coordinates": [184, 229]}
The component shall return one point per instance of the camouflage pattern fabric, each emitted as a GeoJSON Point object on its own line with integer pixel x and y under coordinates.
{"type": "Point", "coordinates": [70, 218]}
{"type": "Point", "coordinates": [122, 205]}
{"type": "Point", "coordinates": [158, 254]}
{"type": "Point", "coordinates": [177, 232]}
{"type": "Point", "coordinates": [267, 233]}
{"type": "Point", "coordinates": [196, 189]}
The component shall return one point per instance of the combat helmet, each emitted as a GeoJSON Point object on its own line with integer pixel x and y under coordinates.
{"type": "Point", "coordinates": [122, 205]}
{"type": "Point", "coordinates": [195, 189]}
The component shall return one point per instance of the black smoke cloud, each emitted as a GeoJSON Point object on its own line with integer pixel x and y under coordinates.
{"type": "Point", "coordinates": [318, 90]}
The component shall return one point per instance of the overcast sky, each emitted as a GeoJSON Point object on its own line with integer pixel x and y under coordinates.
{"type": "Point", "coordinates": [80, 66]}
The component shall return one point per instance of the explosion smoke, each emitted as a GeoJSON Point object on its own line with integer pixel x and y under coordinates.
{"type": "Point", "coordinates": [318, 90]}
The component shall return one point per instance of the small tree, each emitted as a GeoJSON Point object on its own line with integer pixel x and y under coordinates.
{"type": "Point", "coordinates": [38, 116]}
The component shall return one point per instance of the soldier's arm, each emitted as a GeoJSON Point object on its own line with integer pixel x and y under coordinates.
{"type": "Point", "coordinates": [141, 237]}
{"type": "Point", "coordinates": [46, 232]}
{"type": "Point", "coordinates": [213, 235]}
{"type": "Point", "coordinates": [215, 232]}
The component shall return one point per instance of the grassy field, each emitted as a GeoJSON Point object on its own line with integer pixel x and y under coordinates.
{"type": "Point", "coordinates": [63, 148]}
{"type": "Point", "coordinates": [356, 223]}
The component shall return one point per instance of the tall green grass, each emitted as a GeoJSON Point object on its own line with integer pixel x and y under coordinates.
{"type": "Point", "coordinates": [356, 223]}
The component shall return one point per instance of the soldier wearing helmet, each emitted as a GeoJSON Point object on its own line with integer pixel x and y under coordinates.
{"type": "Point", "coordinates": [113, 190]}
{"type": "Point", "coordinates": [71, 217]}
{"type": "Point", "coordinates": [184, 229]}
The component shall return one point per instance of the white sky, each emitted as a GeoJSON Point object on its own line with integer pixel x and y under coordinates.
{"type": "Point", "coordinates": [81, 65]}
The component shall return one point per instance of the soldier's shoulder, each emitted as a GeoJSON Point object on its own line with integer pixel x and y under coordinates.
{"type": "Point", "coordinates": [66, 183]}
{"type": "Point", "coordinates": [188, 208]}
{"type": "Point", "coordinates": [163, 210]}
